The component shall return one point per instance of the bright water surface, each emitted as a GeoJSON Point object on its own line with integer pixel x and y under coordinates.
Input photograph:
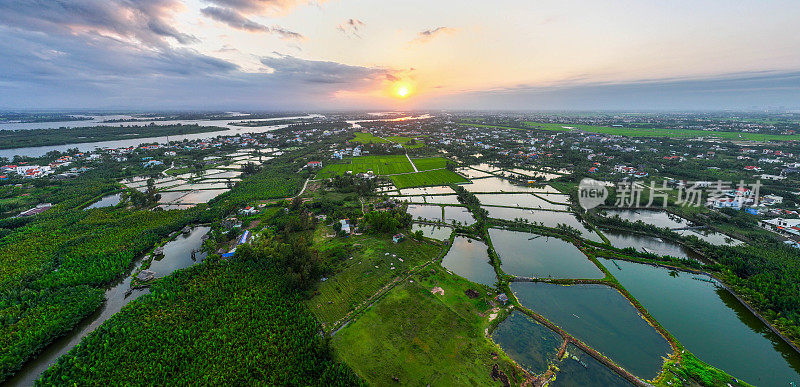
{"type": "Point", "coordinates": [710, 323]}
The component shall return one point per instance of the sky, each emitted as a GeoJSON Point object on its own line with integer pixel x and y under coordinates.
{"type": "Point", "coordinates": [399, 54]}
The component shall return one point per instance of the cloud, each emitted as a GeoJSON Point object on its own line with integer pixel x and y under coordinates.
{"type": "Point", "coordinates": [64, 71]}
{"type": "Point", "coordinates": [761, 89]}
{"type": "Point", "coordinates": [263, 7]}
{"type": "Point", "coordinates": [351, 28]}
{"type": "Point", "coordinates": [286, 34]}
{"type": "Point", "coordinates": [145, 22]}
{"type": "Point", "coordinates": [312, 71]}
{"type": "Point", "coordinates": [236, 19]}
{"type": "Point", "coordinates": [427, 35]}
{"type": "Point", "coordinates": [233, 19]}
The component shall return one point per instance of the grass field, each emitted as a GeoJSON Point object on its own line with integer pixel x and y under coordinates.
{"type": "Point", "coordinates": [428, 163]}
{"type": "Point", "coordinates": [428, 178]}
{"type": "Point", "coordinates": [368, 138]}
{"type": "Point", "coordinates": [379, 165]}
{"type": "Point", "coordinates": [422, 338]}
{"type": "Point", "coordinates": [357, 279]}
{"type": "Point", "coordinates": [404, 141]}
{"type": "Point", "coordinates": [650, 132]}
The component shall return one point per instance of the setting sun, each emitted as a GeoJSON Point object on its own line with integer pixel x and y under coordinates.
{"type": "Point", "coordinates": [402, 90]}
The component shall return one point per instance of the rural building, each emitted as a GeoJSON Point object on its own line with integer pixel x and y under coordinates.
{"type": "Point", "coordinates": [345, 225]}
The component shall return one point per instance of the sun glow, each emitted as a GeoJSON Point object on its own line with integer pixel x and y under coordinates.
{"type": "Point", "coordinates": [402, 90]}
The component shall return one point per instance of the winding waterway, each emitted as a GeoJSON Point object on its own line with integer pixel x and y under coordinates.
{"type": "Point", "coordinates": [227, 130]}
{"type": "Point", "coordinates": [177, 255]}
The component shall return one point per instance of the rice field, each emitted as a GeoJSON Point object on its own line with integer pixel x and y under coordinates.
{"type": "Point", "coordinates": [428, 178]}
{"type": "Point", "coordinates": [379, 165]}
{"type": "Point", "coordinates": [428, 163]}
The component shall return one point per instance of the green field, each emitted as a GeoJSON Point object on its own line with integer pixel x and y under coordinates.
{"type": "Point", "coordinates": [422, 338]}
{"type": "Point", "coordinates": [404, 141]}
{"type": "Point", "coordinates": [368, 138]}
{"type": "Point", "coordinates": [379, 165]}
{"type": "Point", "coordinates": [428, 163]}
{"type": "Point", "coordinates": [428, 178]}
{"type": "Point", "coordinates": [357, 279]}
{"type": "Point", "coordinates": [651, 132]}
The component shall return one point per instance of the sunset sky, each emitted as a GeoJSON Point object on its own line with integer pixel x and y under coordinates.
{"type": "Point", "coordinates": [359, 54]}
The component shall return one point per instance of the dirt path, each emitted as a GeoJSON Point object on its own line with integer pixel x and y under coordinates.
{"type": "Point", "coordinates": [304, 188]}
{"type": "Point", "coordinates": [412, 163]}
{"type": "Point", "coordinates": [164, 172]}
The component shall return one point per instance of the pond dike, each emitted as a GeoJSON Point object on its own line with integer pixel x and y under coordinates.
{"type": "Point", "coordinates": [583, 346]}
{"type": "Point", "coordinates": [719, 283]}
{"type": "Point", "coordinates": [568, 338]}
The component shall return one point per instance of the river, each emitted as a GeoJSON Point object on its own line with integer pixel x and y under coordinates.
{"type": "Point", "coordinates": [228, 130]}
{"type": "Point", "coordinates": [177, 255]}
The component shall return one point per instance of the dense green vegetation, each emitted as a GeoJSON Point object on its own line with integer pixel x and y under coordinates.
{"type": "Point", "coordinates": [68, 253]}
{"type": "Point", "coordinates": [222, 322]}
{"type": "Point", "coordinates": [428, 178]}
{"type": "Point", "coordinates": [44, 137]}
{"type": "Point", "coordinates": [407, 142]}
{"type": "Point", "coordinates": [73, 253]}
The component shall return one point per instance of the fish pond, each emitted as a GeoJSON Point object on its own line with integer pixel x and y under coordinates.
{"type": "Point", "coordinates": [432, 199]}
{"type": "Point", "coordinates": [546, 218]}
{"type": "Point", "coordinates": [530, 255]}
{"type": "Point", "coordinates": [435, 232]}
{"type": "Point", "coordinates": [525, 200]}
{"type": "Point", "coordinates": [496, 184]}
{"type": "Point", "coordinates": [106, 201]}
{"type": "Point", "coordinates": [602, 318]}
{"type": "Point", "coordinates": [460, 215]}
{"type": "Point", "coordinates": [578, 369]}
{"type": "Point", "coordinates": [712, 237]}
{"type": "Point", "coordinates": [429, 213]}
{"type": "Point", "coordinates": [661, 219]}
{"type": "Point", "coordinates": [469, 258]}
{"type": "Point", "coordinates": [532, 345]}
{"type": "Point", "coordinates": [650, 244]}
{"type": "Point", "coordinates": [710, 322]}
